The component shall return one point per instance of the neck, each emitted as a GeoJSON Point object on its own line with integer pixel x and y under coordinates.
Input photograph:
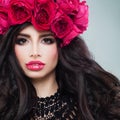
{"type": "Point", "coordinates": [45, 87]}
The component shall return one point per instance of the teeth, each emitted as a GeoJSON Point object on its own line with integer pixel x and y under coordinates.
{"type": "Point", "coordinates": [35, 64]}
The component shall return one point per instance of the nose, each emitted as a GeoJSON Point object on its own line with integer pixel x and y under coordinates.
{"type": "Point", "coordinates": [34, 52]}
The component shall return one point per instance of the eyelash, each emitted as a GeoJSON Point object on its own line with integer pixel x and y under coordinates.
{"type": "Point", "coordinates": [20, 41]}
{"type": "Point", "coordinates": [48, 40]}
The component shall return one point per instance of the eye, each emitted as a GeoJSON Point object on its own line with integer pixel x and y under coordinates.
{"type": "Point", "coordinates": [20, 41]}
{"type": "Point", "coordinates": [48, 40]}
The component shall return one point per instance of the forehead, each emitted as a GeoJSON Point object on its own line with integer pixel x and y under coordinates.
{"type": "Point", "coordinates": [30, 30]}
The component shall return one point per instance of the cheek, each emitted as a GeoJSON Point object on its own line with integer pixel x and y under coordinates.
{"type": "Point", "coordinates": [20, 53]}
{"type": "Point", "coordinates": [50, 54]}
{"type": "Point", "coordinates": [17, 52]}
{"type": "Point", "coordinates": [53, 53]}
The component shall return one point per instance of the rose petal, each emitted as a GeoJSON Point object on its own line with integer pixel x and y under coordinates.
{"type": "Point", "coordinates": [20, 11]}
{"type": "Point", "coordinates": [68, 6]}
{"type": "Point", "coordinates": [81, 18]}
{"type": "Point", "coordinates": [72, 34]}
{"type": "Point", "coordinates": [61, 25]}
{"type": "Point", "coordinates": [4, 22]}
{"type": "Point", "coordinates": [44, 14]}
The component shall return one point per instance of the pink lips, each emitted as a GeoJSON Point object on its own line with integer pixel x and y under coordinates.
{"type": "Point", "coordinates": [35, 65]}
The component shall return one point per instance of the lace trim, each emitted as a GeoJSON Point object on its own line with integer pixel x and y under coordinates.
{"type": "Point", "coordinates": [55, 107]}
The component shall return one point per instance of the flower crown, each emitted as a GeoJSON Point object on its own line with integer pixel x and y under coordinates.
{"type": "Point", "coordinates": [65, 18]}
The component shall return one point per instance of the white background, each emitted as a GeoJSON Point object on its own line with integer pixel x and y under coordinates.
{"type": "Point", "coordinates": [103, 34]}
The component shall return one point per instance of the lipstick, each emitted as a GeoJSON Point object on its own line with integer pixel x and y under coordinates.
{"type": "Point", "coordinates": [35, 65]}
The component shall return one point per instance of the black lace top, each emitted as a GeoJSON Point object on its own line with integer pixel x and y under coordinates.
{"type": "Point", "coordinates": [55, 107]}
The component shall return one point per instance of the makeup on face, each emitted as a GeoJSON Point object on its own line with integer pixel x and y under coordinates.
{"type": "Point", "coordinates": [35, 65]}
{"type": "Point", "coordinates": [37, 52]}
{"type": "Point", "coordinates": [45, 38]}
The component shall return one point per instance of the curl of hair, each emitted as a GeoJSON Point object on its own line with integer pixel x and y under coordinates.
{"type": "Point", "coordinates": [16, 89]}
{"type": "Point", "coordinates": [96, 91]}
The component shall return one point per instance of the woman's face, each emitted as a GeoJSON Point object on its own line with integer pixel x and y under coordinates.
{"type": "Point", "coordinates": [36, 52]}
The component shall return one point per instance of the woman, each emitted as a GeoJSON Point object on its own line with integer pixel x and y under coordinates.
{"type": "Point", "coordinates": [46, 70]}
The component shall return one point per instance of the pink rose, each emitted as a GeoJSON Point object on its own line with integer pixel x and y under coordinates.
{"type": "Point", "coordinates": [68, 6]}
{"type": "Point", "coordinates": [44, 14]}
{"type": "Point", "coordinates": [77, 11]}
{"type": "Point", "coordinates": [81, 18]}
{"type": "Point", "coordinates": [62, 25]}
{"type": "Point", "coordinates": [20, 11]}
{"type": "Point", "coordinates": [68, 38]}
{"type": "Point", "coordinates": [4, 2]}
{"type": "Point", "coordinates": [4, 22]}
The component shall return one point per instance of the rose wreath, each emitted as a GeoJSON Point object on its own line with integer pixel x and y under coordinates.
{"type": "Point", "coordinates": [65, 18]}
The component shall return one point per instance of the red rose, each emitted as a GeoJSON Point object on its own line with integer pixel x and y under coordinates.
{"type": "Point", "coordinates": [62, 25]}
{"type": "Point", "coordinates": [81, 18]}
{"type": "Point", "coordinates": [68, 38]}
{"type": "Point", "coordinates": [44, 14]}
{"type": "Point", "coordinates": [20, 11]}
{"type": "Point", "coordinates": [4, 2]}
{"type": "Point", "coordinates": [4, 22]}
{"type": "Point", "coordinates": [68, 6]}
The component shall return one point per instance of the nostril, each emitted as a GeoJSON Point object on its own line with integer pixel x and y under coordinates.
{"type": "Point", "coordinates": [35, 55]}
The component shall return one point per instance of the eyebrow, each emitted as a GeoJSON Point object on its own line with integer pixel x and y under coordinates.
{"type": "Point", "coordinates": [28, 36]}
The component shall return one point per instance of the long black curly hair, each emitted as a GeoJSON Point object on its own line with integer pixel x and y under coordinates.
{"type": "Point", "coordinates": [96, 91]}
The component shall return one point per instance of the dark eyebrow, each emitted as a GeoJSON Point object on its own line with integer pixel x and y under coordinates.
{"type": "Point", "coordinates": [47, 34]}
{"type": "Point", "coordinates": [23, 35]}
{"type": "Point", "coordinates": [43, 35]}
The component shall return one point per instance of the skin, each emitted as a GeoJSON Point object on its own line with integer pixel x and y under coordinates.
{"type": "Point", "coordinates": [33, 45]}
